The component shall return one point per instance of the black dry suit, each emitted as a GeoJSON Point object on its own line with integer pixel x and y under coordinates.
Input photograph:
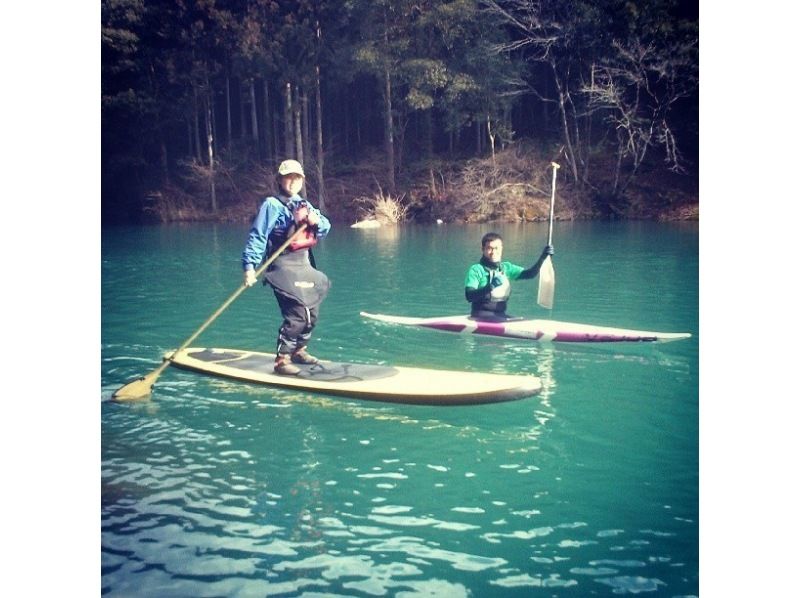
{"type": "Point", "coordinates": [300, 289]}
{"type": "Point", "coordinates": [298, 286]}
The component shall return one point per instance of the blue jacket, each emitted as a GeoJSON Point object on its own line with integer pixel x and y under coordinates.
{"type": "Point", "coordinates": [271, 226]}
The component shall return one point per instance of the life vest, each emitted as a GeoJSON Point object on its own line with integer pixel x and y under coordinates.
{"type": "Point", "coordinates": [497, 300]}
{"type": "Point", "coordinates": [306, 240]}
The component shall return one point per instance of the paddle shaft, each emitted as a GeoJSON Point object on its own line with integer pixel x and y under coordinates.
{"type": "Point", "coordinates": [240, 290]}
{"type": "Point", "coordinates": [133, 389]}
{"type": "Point", "coordinates": [552, 203]}
{"type": "Point", "coordinates": [546, 272]}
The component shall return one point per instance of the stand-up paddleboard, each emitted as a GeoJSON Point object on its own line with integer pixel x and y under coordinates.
{"type": "Point", "coordinates": [361, 381]}
{"type": "Point", "coordinates": [536, 330]}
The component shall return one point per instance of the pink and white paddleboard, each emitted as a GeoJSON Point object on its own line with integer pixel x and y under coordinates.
{"type": "Point", "coordinates": [536, 330]}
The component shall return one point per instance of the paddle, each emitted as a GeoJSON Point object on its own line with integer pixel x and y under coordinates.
{"type": "Point", "coordinates": [547, 275]}
{"type": "Point", "coordinates": [140, 388]}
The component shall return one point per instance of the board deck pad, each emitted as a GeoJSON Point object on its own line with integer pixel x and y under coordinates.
{"type": "Point", "coordinates": [328, 371]}
{"type": "Point", "coordinates": [393, 384]}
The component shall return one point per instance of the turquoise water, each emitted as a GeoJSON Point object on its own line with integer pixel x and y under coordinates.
{"type": "Point", "coordinates": [217, 488]}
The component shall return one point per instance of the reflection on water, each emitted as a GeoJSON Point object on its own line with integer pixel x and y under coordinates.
{"type": "Point", "coordinates": [386, 236]}
{"type": "Point", "coordinates": [222, 488]}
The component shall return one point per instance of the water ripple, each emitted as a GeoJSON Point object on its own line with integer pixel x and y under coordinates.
{"type": "Point", "coordinates": [376, 579]}
{"type": "Point", "coordinates": [525, 580]}
{"type": "Point", "coordinates": [417, 548]}
{"type": "Point", "coordinates": [632, 585]}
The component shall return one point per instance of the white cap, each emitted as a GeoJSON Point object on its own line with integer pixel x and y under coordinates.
{"type": "Point", "coordinates": [291, 167]}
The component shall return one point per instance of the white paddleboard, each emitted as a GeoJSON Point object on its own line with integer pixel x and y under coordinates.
{"type": "Point", "coordinates": [363, 381]}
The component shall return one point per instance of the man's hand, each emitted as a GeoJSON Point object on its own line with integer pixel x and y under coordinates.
{"type": "Point", "coordinates": [250, 278]}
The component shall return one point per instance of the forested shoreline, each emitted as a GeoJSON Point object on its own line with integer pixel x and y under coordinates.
{"type": "Point", "coordinates": [449, 110]}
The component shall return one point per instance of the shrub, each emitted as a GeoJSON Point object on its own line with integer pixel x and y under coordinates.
{"type": "Point", "coordinates": [382, 208]}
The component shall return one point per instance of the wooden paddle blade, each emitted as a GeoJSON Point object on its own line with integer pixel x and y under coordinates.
{"type": "Point", "coordinates": [547, 284]}
{"type": "Point", "coordinates": [138, 389]}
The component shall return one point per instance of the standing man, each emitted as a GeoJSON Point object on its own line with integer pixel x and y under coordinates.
{"type": "Point", "coordinates": [487, 286]}
{"type": "Point", "coordinates": [298, 286]}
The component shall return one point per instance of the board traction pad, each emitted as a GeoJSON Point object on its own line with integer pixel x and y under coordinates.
{"type": "Point", "coordinates": [324, 371]}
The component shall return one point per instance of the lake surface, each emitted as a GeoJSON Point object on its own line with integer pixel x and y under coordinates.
{"type": "Point", "coordinates": [218, 488]}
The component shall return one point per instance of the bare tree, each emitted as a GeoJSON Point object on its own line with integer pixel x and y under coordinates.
{"type": "Point", "coordinates": [540, 33]}
{"type": "Point", "coordinates": [626, 77]}
{"type": "Point", "coordinates": [635, 90]}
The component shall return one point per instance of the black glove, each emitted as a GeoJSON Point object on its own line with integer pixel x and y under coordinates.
{"type": "Point", "coordinates": [548, 250]}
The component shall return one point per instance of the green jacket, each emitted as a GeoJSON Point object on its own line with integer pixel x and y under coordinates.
{"type": "Point", "coordinates": [492, 299]}
{"type": "Point", "coordinates": [478, 275]}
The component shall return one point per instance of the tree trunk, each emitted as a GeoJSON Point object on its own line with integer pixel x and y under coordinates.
{"type": "Point", "coordinates": [388, 127]}
{"type": "Point", "coordinates": [320, 154]}
{"type": "Point", "coordinates": [508, 121]}
{"type": "Point", "coordinates": [267, 122]}
{"type": "Point", "coordinates": [164, 159]}
{"type": "Point", "coordinates": [243, 134]}
{"type": "Point", "coordinates": [347, 128]}
{"type": "Point", "coordinates": [288, 132]}
{"type": "Point", "coordinates": [229, 119]}
{"type": "Point", "coordinates": [276, 133]}
{"type": "Point", "coordinates": [357, 123]}
{"type": "Point", "coordinates": [196, 110]}
{"type": "Point", "coordinates": [254, 114]}
{"type": "Point", "coordinates": [618, 167]}
{"type": "Point", "coordinates": [491, 137]}
{"type": "Point", "coordinates": [546, 105]}
{"type": "Point", "coordinates": [562, 100]}
{"type": "Point", "coordinates": [305, 119]}
{"type": "Point", "coordinates": [428, 122]}
{"type": "Point", "coordinates": [210, 145]}
{"type": "Point", "coordinates": [578, 144]}
{"type": "Point", "coordinates": [212, 101]}
{"type": "Point", "coordinates": [400, 128]}
{"type": "Point", "coordinates": [298, 126]}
